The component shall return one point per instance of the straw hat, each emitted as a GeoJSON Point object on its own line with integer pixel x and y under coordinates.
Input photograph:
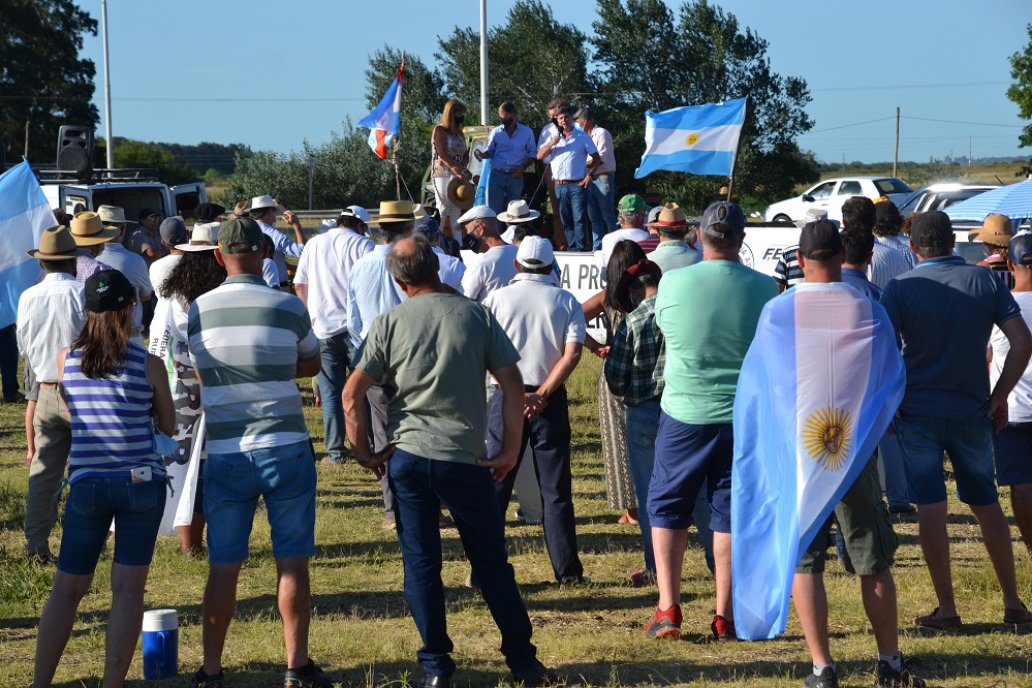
{"type": "Point", "coordinates": [113, 215]}
{"type": "Point", "coordinates": [396, 211]}
{"type": "Point", "coordinates": [57, 243]}
{"type": "Point", "coordinates": [202, 238]}
{"type": "Point", "coordinates": [461, 193]}
{"type": "Point", "coordinates": [263, 202]}
{"type": "Point", "coordinates": [88, 229]}
{"type": "Point", "coordinates": [670, 216]}
{"type": "Point", "coordinates": [996, 229]}
{"type": "Point", "coordinates": [518, 211]}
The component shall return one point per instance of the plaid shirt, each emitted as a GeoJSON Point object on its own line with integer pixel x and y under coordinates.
{"type": "Point", "coordinates": [634, 366]}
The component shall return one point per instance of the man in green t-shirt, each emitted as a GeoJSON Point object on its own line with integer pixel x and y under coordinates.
{"type": "Point", "coordinates": [435, 348]}
{"type": "Point", "coordinates": [708, 314]}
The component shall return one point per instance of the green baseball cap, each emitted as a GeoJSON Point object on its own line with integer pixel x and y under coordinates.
{"type": "Point", "coordinates": [631, 203]}
{"type": "Point", "coordinates": [240, 235]}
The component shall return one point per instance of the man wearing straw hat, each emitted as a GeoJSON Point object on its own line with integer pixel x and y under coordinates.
{"type": "Point", "coordinates": [673, 251]}
{"type": "Point", "coordinates": [263, 210]}
{"type": "Point", "coordinates": [117, 257]}
{"type": "Point", "coordinates": [50, 315]}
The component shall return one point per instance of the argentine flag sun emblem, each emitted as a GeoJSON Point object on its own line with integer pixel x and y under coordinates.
{"type": "Point", "coordinates": [826, 435]}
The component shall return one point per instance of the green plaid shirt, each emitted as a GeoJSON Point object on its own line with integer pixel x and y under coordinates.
{"type": "Point", "coordinates": [634, 366]}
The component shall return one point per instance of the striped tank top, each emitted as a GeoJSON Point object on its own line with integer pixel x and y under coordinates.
{"type": "Point", "coordinates": [112, 431]}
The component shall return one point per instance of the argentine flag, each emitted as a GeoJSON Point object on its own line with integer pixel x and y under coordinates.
{"type": "Point", "coordinates": [24, 214]}
{"type": "Point", "coordinates": [818, 389]}
{"type": "Point", "coordinates": [701, 140]}
{"type": "Point", "coordinates": [385, 119]}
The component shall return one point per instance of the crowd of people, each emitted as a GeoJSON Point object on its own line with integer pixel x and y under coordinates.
{"type": "Point", "coordinates": [443, 377]}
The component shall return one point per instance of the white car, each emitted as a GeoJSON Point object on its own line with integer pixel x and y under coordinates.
{"type": "Point", "coordinates": [832, 193]}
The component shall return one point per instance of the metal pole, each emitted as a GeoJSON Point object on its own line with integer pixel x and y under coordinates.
{"type": "Point", "coordinates": [107, 88]}
{"type": "Point", "coordinates": [483, 62]}
{"type": "Point", "coordinates": [895, 154]}
{"type": "Point", "coordinates": [311, 177]}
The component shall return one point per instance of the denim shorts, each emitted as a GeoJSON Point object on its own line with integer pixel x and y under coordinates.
{"type": "Point", "coordinates": [92, 503]}
{"type": "Point", "coordinates": [284, 477]}
{"type": "Point", "coordinates": [969, 443]}
{"type": "Point", "coordinates": [1012, 449]}
{"type": "Point", "coordinates": [688, 456]}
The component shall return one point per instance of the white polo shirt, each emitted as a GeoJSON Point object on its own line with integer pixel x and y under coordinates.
{"type": "Point", "coordinates": [325, 266]}
{"type": "Point", "coordinates": [610, 240]}
{"type": "Point", "coordinates": [491, 270]}
{"type": "Point", "coordinates": [540, 319]}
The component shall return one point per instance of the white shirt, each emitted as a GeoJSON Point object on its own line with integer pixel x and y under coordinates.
{"type": "Point", "coordinates": [135, 270]}
{"type": "Point", "coordinates": [609, 241]}
{"type": "Point", "coordinates": [450, 270]}
{"type": "Point", "coordinates": [324, 266]}
{"type": "Point", "coordinates": [540, 319]}
{"type": "Point", "coordinates": [491, 270]}
{"type": "Point", "coordinates": [270, 273]}
{"type": "Point", "coordinates": [886, 263]}
{"type": "Point", "coordinates": [570, 156]}
{"type": "Point", "coordinates": [603, 141]}
{"type": "Point", "coordinates": [50, 316]}
{"type": "Point", "coordinates": [548, 132]}
{"type": "Point", "coordinates": [161, 268]}
{"type": "Point", "coordinates": [1019, 403]}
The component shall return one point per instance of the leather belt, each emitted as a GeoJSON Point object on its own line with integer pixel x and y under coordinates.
{"type": "Point", "coordinates": [568, 181]}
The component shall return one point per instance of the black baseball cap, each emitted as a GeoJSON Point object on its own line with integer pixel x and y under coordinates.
{"type": "Point", "coordinates": [1019, 250]}
{"type": "Point", "coordinates": [820, 240]}
{"type": "Point", "coordinates": [108, 290]}
{"type": "Point", "coordinates": [932, 228]}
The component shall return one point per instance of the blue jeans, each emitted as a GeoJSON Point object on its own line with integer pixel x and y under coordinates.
{"type": "Point", "coordinates": [642, 425]}
{"type": "Point", "coordinates": [9, 361]}
{"type": "Point", "coordinates": [891, 457]}
{"type": "Point", "coordinates": [335, 353]}
{"type": "Point", "coordinates": [969, 443]}
{"type": "Point", "coordinates": [420, 486]}
{"type": "Point", "coordinates": [502, 189]}
{"type": "Point", "coordinates": [572, 200]}
{"type": "Point", "coordinates": [600, 208]}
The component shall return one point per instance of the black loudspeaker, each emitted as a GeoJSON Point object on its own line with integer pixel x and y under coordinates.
{"type": "Point", "coordinates": [75, 149]}
{"type": "Point", "coordinates": [3, 155]}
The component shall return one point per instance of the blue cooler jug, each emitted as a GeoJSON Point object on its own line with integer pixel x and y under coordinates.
{"type": "Point", "coordinates": [160, 644]}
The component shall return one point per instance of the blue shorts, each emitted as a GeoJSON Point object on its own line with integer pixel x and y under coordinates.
{"type": "Point", "coordinates": [1013, 453]}
{"type": "Point", "coordinates": [969, 443]}
{"type": "Point", "coordinates": [284, 477]}
{"type": "Point", "coordinates": [92, 503]}
{"type": "Point", "coordinates": [688, 456]}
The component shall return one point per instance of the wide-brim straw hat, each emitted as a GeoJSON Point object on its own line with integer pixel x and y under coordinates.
{"type": "Point", "coordinates": [113, 215]}
{"type": "Point", "coordinates": [398, 211]}
{"type": "Point", "coordinates": [202, 238]}
{"type": "Point", "coordinates": [461, 193]}
{"type": "Point", "coordinates": [263, 202]}
{"type": "Point", "coordinates": [671, 216]}
{"type": "Point", "coordinates": [518, 211]}
{"type": "Point", "coordinates": [996, 229]}
{"type": "Point", "coordinates": [57, 243]}
{"type": "Point", "coordinates": [88, 229]}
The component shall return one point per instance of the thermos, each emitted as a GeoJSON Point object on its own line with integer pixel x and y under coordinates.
{"type": "Point", "coordinates": [160, 644]}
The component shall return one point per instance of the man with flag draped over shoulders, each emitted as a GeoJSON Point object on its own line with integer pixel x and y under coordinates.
{"type": "Point", "coordinates": [818, 389]}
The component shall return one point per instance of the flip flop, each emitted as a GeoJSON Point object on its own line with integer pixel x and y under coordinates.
{"type": "Point", "coordinates": [1017, 616]}
{"type": "Point", "coordinates": [939, 623]}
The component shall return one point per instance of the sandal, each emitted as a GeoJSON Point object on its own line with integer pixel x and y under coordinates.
{"type": "Point", "coordinates": [1015, 617]}
{"type": "Point", "coordinates": [939, 623]}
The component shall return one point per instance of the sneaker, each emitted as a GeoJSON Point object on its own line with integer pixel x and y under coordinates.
{"type": "Point", "coordinates": [887, 677]}
{"type": "Point", "coordinates": [308, 676]}
{"type": "Point", "coordinates": [536, 677]}
{"type": "Point", "coordinates": [574, 580]}
{"type": "Point", "coordinates": [640, 579]}
{"type": "Point", "coordinates": [202, 680]}
{"type": "Point", "coordinates": [389, 523]}
{"type": "Point", "coordinates": [826, 679]}
{"type": "Point", "coordinates": [722, 629]}
{"type": "Point", "coordinates": [665, 623]}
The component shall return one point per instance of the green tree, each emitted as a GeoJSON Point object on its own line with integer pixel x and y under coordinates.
{"type": "Point", "coordinates": [651, 59]}
{"type": "Point", "coordinates": [532, 59]}
{"type": "Point", "coordinates": [152, 156]}
{"type": "Point", "coordinates": [43, 81]}
{"type": "Point", "coordinates": [1021, 93]}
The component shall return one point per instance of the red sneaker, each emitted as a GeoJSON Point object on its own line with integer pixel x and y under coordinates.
{"type": "Point", "coordinates": [723, 630]}
{"type": "Point", "coordinates": [665, 623]}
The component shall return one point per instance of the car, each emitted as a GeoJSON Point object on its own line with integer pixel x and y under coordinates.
{"type": "Point", "coordinates": [830, 194]}
{"type": "Point", "coordinates": [941, 196]}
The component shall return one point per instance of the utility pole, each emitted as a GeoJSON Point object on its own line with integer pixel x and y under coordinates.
{"type": "Point", "coordinates": [311, 177]}
{"type": "Point", "coordinates": [483, 62]}
{"type": "Point", "coordinates": [969, 151]}
{"type": "Point", "coordinates": [107, 88]}
{"type": "Point", "coordinates": [895, 154]}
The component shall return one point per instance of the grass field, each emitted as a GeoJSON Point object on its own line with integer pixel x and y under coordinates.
{"type": "Point", "coordinates": [593, 635]}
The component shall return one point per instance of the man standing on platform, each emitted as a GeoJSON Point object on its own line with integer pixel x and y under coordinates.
{"type": "Point", "coordinates": [602, 192]}
{"type": "Point", "coordinates": [570, 150]}
{"type": "Point", "coordinates": [510, 147]}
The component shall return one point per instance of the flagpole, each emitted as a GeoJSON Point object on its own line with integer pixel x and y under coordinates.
{"type": "Point", "coordinates": [483, 62]}
{"type": "Point", "coordinates": [107, 88]}
{"type": "Point", "coordinates": [738, 146]}
{"type": "Point", "coordinates": [394, 148]}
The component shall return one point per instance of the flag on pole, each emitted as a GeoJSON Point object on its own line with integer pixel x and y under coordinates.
{"type": "Point", "coordinates": [385, 119]}
{"type": "Point", "coordinates": [702, 139]}
{"type": "Point", "coordinates": [818, 389]}
{"type": "Point", "coordinates": [24, 214]}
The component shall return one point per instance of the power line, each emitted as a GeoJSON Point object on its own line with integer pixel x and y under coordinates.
{"type": "Point", "coordinates": [847, 126]}
{"type": "Point", "coordinates": [955, 121]}
{"type": "Point", "coordinates": [909, 86]}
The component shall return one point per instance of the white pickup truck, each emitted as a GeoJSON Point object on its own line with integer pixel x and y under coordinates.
{"type": "Point", "coordinates": [830, 194]}
{"type": "Point", "coordinates": [132, 193]}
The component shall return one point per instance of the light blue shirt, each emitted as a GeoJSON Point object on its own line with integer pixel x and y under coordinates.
{"type": "Point", "coordinates": [570, 156]}
{"type": "Point", "coordinates": [117, 257]}
{"type": "Point", "coordinates": [284, 246]}
{"type": "Point", "coordinates": [371, 291]}
{"type": "Point", "coordinates": [511, 152]}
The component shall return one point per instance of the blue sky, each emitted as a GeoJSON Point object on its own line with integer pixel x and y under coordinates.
{"type": "Point", "coordinates": [283, 72]}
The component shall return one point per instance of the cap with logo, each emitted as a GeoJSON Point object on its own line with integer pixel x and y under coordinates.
{"type": "Point", "coordinates": [820, 240]}
{"type": "Point", "coordinates": [723, 220]}
{"type": "Point", "coordinates": [535, 252]}
{"type": "Point", "coordinates": [240, 235]}
{"type": "Point", "coordinates": [108, 290]}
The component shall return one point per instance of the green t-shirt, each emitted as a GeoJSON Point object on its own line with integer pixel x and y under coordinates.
{"type": "Point", "coordinates": [436, 349]}
{"type": "Point", "coordinates": [708, 313]}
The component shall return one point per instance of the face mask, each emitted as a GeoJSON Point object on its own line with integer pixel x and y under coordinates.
{"type": "Point", "coordinates": [508, 122]}
{"type": "Point", "coordinates": [459, 119]}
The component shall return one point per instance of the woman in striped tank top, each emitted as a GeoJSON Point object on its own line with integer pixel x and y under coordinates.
{"type": "Point", "coordinates": [116, 392]}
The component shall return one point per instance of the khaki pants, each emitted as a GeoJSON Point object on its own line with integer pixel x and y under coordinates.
{"type": "Point", "coordinates": [53, 441]}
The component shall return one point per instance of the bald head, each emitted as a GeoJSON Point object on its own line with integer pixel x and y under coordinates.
{"type": "Point", "coordinates": [412, 262]}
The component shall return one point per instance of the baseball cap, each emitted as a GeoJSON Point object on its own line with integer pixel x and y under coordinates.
{"type": "Point", "coordinates": [147, 212]}
{"type": "Point", "coordinates": [631, 203]}
{"type": "Point", "coordinates": [207, 212]}
{"type": "Point", "coordinates": [427, 226]}
{"type": "Point", "coordinates": [535, 252]}
{"type": "Point", "coordinates": [477, 212]}
{"type": "Point", "coordinates": [108, 290]}
{"type": "Point", "coordinates": [356, 211]}
{"type": "Point", "coordinates": [820, 240]}
{"type": "Point", "coordinates": [723, 220]}
{"type": "Point", "coordinates": [172, 230]}
{"type": "Point", "coordinates": [932, 228]}
{"type": "Point", "coordinates": [1019, 250]}
{"type": "Point", "coordinates": [240, 235]}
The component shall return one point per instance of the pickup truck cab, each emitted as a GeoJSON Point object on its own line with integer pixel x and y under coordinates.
{"type": "Point", "coordinates": [132, 193]}
{"type": "Point", "coordinates": [830, 194]}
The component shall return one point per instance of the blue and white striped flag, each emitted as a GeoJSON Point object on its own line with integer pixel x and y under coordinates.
{"type": "Point", "coordinates": [818, 389]}
{"type": "Point", "coordinates": [24, 214]}
{"type": "Point", "coordinates": [702, 139]}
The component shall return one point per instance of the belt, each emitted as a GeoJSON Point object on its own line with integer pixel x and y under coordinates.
{"type": "Point", "coordinates": [568, 181]}
{"type": "Point", "coordinates": [499, 169]}
{"type": "Point", "coordinates": [48, 384]}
